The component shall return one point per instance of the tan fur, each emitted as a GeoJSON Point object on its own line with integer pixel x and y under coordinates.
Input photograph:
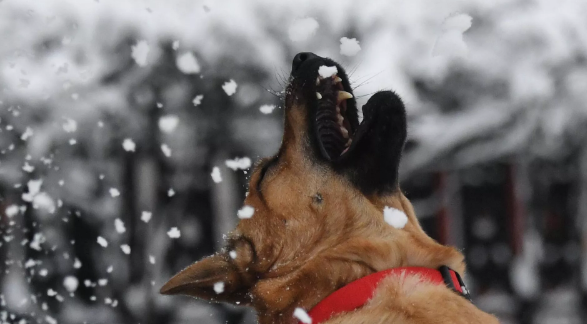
{"type": "Point", "coordinates": [295, 250]}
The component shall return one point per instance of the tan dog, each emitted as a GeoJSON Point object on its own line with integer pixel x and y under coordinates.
{"type": "Point", "coordinates": [318, 220]}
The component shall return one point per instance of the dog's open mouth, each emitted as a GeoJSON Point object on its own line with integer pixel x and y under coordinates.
{"type": "Point", "coordinates": [334, 122]}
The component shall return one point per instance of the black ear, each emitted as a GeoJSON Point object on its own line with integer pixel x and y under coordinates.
{"type": "Point", "coordinates": [377, 145]}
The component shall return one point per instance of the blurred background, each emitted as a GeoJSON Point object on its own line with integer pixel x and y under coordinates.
{"type": "Point", "coordinates": [114, 114]}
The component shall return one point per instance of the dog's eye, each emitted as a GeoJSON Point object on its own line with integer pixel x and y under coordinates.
{"type": "Point", "coordinates": [264, 170]}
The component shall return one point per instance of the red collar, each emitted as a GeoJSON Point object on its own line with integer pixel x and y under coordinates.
{"type": "Point", "coordinates": [358, 292]}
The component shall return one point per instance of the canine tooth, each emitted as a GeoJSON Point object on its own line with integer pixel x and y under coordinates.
{"type": "Point", "coordinates": [349, 142]}
{"type": "Point", "coordinates": [318, 95]}
{"type": "Point", "coordinates": [345, 133]}
{"type": "Point", "coordinates": [337, 80]}
{"type": "Point", "coordinates": [343, 95]}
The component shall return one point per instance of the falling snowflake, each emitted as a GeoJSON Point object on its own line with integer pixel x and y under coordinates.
{"type": "Point", "coordinates": [27, 133]}
{"type": "Point", "coordinates": [216, 176]}
{"type": "Point", "coordinates": [174, 233]}
{"type": "Point", "coordinates": [230, 87]}
{"type": "Point", "coordinates": [114, 192]}
{"type": "Point", "coordinates": [232, 254]}
{"type": "Point", "coordinates": [236, 164]}
{"type": "Point", "coordinates": [302, 29]}
{"type": "Point", "coordinates": [146, 216]}
{"type": "Point", "coordinates": [267, 109]}
{"type": "Point", "coordinates": [301, 315]}
{"type": "Point", "coordinates": [119, 225]}
{"type": "Point", "coordinates": [70, 283]}
{"type": "Point", "coordinates": [11, 211]}
{"type": "Point", "coordinates": [246, 212]}
{"type": "Point", "coordinates": [166, 150]}
{"type": "Point", "coordinates": [72, 141]}
{"type": "Point", "coordinates": [349, 46]}
{"type": "Point", "coordinates": [129, 145]}
{"type": "Point", "coordinates": [170, 192]}
{"type": "Point", "coordinates": [197, 100]}
{"type": "Point", "coordinates": [70, 125]}
{"type": "Point", "coordinates": [102, 241]}
{"type": "Point", "coordinates": [151, 259]}
{"type": "Point", "coordinates": [451, 42]}
{"type": "Point", "coordinates": [395, 217]}
{"type": "Point", "coordinates": [187, 63]}
{"type": "Point", "coordinates": [139, 52]}
{"type": "Point", "coordinates": [125, 248]}
{"type": "Point", "coordinates": [34, 187]}
{"type": "Point", "coordinates": [77, 264]}
{"type": "Point", "coordinates": [27, 167]}
{"type": "Point", "coordinates": [175, 45]}
{"type": "Point", "coordinates": [219, 287]}
{"type": "Point", "coordinates": [327, 71]}
{"type": "Point", "coordinates": [168, 123]}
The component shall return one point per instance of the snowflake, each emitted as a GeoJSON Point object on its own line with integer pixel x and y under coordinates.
{"type": "Point", "coordinates": [302, 29]}
{"type": "Point", "coordinates": [11, 211]}
{"type": "Point", "coordinates": [242, 163]}
{"type": "Point", "coordinates": [70, 283]}
{"type": "Point", "coordinates": [187, 63]}
{"type": "Point", "coordinates": [246, 212]}
{"type": "Point", "coordinates": [450, 42]}
{"type": "Point", "coordinates": [146, 216]}
{"type": "Point", "coordinates": [139, 52]}
{"type": "Point", "coordinates": [349, 46]}
{"type": "Point", "coordinates": [70, 125]}
{"type": "Point", "coordinates": [168, 123]}
{"type": "Point", "coordinates": [129, 145]}
{"type": "Point", "coordinates": [267, 109]}
{"type": "Point", "coordinates": [174, 233]}
{"type": "Point", "coordinates": [327, 71]}
{"type": "Point", "coordinates": [230, 87]}
{"type": "Point", "coordinates": [216, 176]}
{"type": "Point", "coordinates": [151, 259]}
{"type": "Point", "coordinates": [102, 241]}
{"type": "Point", "coordinates": [114, 192]}
{"type": "Point", "coordinates": [119, 225]}
{"type": "Point", "coordinates": [125, 248]}
{"type": "Point", "coordinates": [395, 217]}
{"type": "Point", "coordinates": [219, 287]}
{"type": "Point", "coordinates": [197, 100]}
{"type": "Point", "coordinates": [301, 315]}
{"type": "Point", "coordinates": [232, 254]}
{"type": "Point", "coordinates": [166, 150]}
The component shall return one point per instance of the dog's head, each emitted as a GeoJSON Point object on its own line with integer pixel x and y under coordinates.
{"type": "Point", "coordinates": [318, 204]}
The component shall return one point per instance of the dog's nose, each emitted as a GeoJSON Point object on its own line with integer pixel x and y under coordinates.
{"type": "Point", "coordinates": [300, 59]}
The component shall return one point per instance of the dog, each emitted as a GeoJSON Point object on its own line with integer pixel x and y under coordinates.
{"type": "Point", "coordinates": [319, 247]}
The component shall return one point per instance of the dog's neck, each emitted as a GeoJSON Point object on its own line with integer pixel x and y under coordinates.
{"type": "Point", "coordinates": [354, 259]}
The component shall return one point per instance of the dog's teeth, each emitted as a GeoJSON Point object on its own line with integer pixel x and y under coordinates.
{"type": "Point", "coordinates": [343, 95]}
{"type": "Point", "coordinates": [337, 80]}
{"type": "Point", "coordinates": [340, 119]}
{"type": "Point", "coordinates": [317, 81]}
{"type": "Point", "coordinates": [345, 133]}
{"type": "Point", "coordinates": [343, 152]}
{"type": "Point", "coordinates": [318, 95]}
{"type": "Point", "coordinates": [349, 142]}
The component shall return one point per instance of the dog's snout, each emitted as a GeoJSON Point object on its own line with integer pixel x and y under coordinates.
{"type": "Point", "coordinates": [300, 59]}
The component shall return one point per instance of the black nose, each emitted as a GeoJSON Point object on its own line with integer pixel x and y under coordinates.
{"type": "Point", "coordinates": [300, 59]}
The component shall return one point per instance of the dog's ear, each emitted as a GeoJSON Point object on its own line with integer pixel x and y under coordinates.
{"type": "Point", "coordinates": [214, 278]}
{"type": "Point", "coordinates": [378, 144]}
